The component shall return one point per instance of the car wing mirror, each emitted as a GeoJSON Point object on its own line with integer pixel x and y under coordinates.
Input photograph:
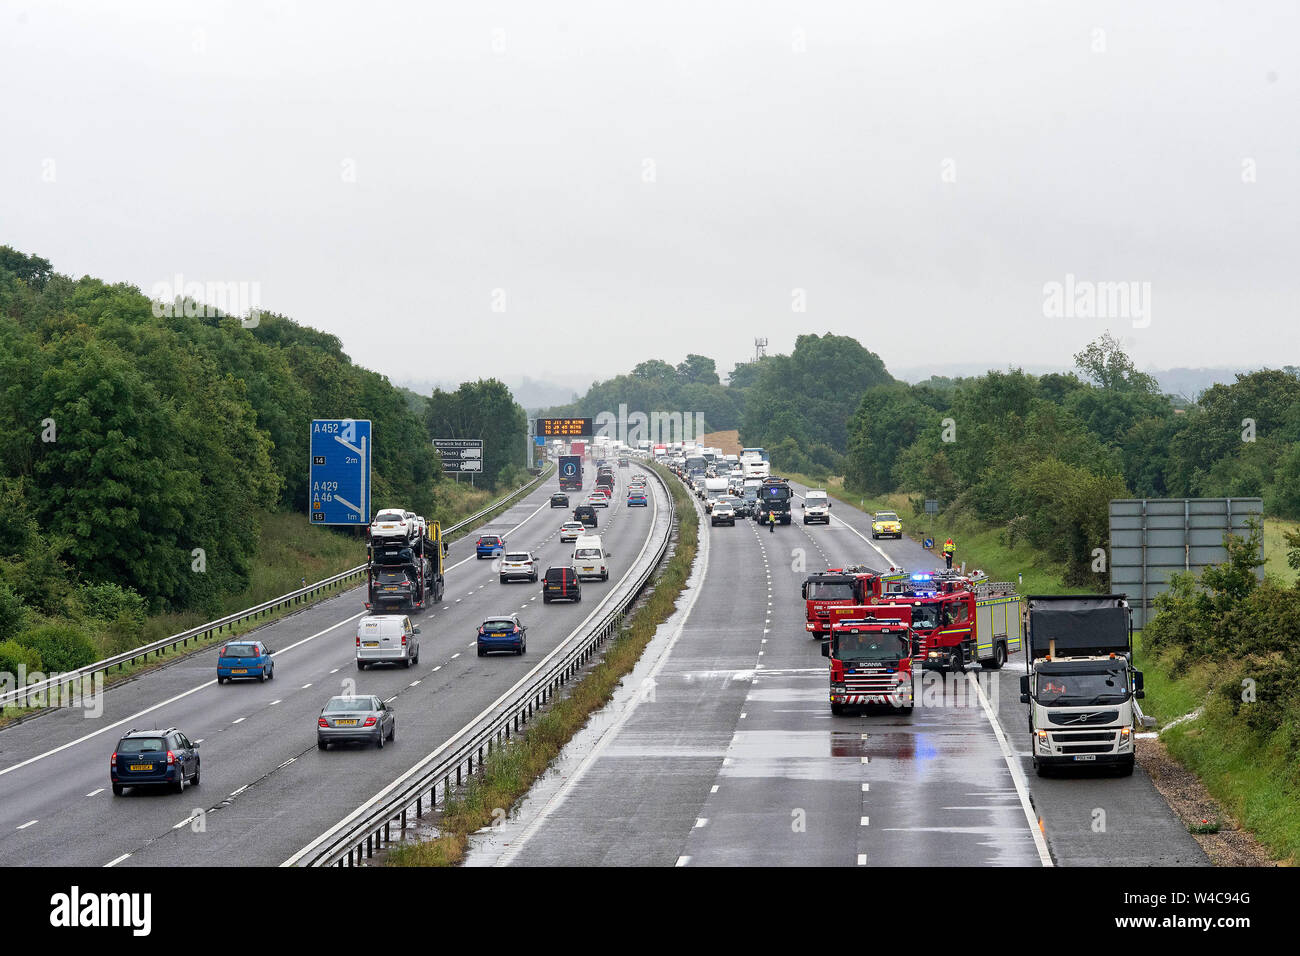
{"type": "Point", "coordinates": [417, 629]}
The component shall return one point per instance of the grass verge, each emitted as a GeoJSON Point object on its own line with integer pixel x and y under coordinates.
{"type": "Point", "coordinates": [511, 770]}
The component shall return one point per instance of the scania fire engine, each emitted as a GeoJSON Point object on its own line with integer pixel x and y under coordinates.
{"type": "Point", "coordinates": [871, 658]}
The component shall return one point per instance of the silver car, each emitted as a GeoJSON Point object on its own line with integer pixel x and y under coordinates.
{"type": "Point", "coordinates": [363, 718]}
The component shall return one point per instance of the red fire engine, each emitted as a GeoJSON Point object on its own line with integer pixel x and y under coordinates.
{"type": "Point", "coordinates": [841, 587]}
{"type": "Point", "coordinates": [958, 621]}
{"type": "Point", "coordinates": [870, 652]}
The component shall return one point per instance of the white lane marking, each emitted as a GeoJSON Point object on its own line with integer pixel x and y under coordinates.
{"type": "Point", "coordinates": [186, 821]}
{"type": "Point", "coordinates": [701, 822]}
{"type": "Point", "coordinates": [286, 763]}
{"type": "Point", "coordinates": [334, 671]}
{"type": "Point", "coordinates": [304, 686]}
{"type": "Point", "coordinates": [1017, 774]}
{"type": "Point", "coordinates": [169, 700]}
{"type": "Point", "coordinates": [865, 822]}
{"type": "Point", "coordinates": [866, 787]}
{"type": "Point", "coordinates": [116, 860]}
{"type": "Point", "coordinates": [713, 789]}
{"type": "Point", "coordinates": [413, 683]}
{"type": "Point", "coordinates": [273, 703]}
{"type": "Point", "coordinates": [682, 861]}
{"type": "Point", "coordinates": [93, 792]}
{"type": "Point", "coordinates": [456, 655]}
{"type": "Point", "coordinates": [436, 669]}
{"type": "Point", "coordinates": [24, 826]}
{"type": "Point", "coordinates": [391, 699]}
{"type": "Point", "coordinates": [239, 720]}
{"type": "Point", "coordinates": [241, 790]}
{"type": "Point", "coordinates": [862, 859]}
{"type": "Point", "coordinates": [439, 751]}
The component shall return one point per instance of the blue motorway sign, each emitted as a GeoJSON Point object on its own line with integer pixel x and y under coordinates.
{"type": "Point", "coordinates": [340, 471]}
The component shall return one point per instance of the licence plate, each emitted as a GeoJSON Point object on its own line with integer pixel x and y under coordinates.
{"type": "Point", "coordinates": [141, 766]}
{"type": "Point", "coordinates": [496, 635]}
{"type": "Point", "coordinates": [369, 643]}
{"type": "Point", "coordinates": [1085, 756]}
{"type": "Point", "coordinates": [345, 723]}
{"type": "Point", "coordinates": [390, 587]}
{"type": "Point", "coordinates": [239, 670]}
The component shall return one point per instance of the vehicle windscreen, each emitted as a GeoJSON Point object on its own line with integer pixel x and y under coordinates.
{"type": "Point", "coordinates": [338, 704]}
{"type": "Point", "coordinates": [241, 650]}
{"type": "Point", "coordinates": [926, 615]}
{"type": "Point", "coordinates": [816, 501]}
{"type": "Point", "coordinates": [142, 744]}
{"type": "Point", "coordinates": [776, 493]}
{"type": "Point", "coordinates": [824, 591]}
{"type": "Point", "coordinates": [1107, 686]}
{"type": "Point", "coordinates": [886, 516]}
{"type": "Point", "coordinates": [870, 647]}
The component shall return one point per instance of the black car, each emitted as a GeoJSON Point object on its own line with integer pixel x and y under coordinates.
{"type": "Point", "coordinates": [561, 584]}
{"type": "Point", "coordinates": [559, 500]}
{"type": "Point", "coordinates": [586, 514]}
{"type": "Point", "coordinates": [154, 758]}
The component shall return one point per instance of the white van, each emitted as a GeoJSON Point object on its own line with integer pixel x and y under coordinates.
{"type": "Point", "coordinates": [816, 507]}
{"type": "Point", "coordinates": [387, 639]}
{"type": "Point", "coordinates": [589, 557]}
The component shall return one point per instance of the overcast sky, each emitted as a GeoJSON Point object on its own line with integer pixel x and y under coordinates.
{"type": "Point", "coordinates": [643, 180]}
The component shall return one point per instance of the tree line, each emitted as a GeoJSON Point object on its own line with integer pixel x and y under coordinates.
{"type": "Point", "coordinates": [137, 450]}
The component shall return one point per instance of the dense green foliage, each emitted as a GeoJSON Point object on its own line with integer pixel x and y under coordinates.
{"type": "Point", "coordinates": [484, 409]}
{"type": "Point", "coordinates": [136, 451]}
{"type": "Point", "coordinates": [1042, 455]}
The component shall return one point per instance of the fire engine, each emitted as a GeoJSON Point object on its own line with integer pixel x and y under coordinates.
{"type": "Point", "coordinates": [870, 653]}
{"type": "Point", "coordinates": [958, 620]}
{"type": "Point", "coordinates": [839, 587]}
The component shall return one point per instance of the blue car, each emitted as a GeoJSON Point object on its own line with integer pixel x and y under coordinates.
{"type": "Point", "coordinates": [154, 758]}
{"type": "Point", "coordinates": [637, 499]}
{"type": "Point", "coordinates": [241, 659]}
{"type": "Point", "coordinates": [489, 546]}
{"type": "Point", "coordinates": [503, 632]}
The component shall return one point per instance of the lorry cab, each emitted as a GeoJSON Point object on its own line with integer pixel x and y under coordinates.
{"type": "Point", "coordinates": [871, 658]}
{"type": "Point", "coordinates": [835, 588]}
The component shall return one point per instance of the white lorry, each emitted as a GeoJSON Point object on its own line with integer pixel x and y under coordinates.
{"type": "Point", "coordinates": [714, 488]}
{"type": "Point", "coordinates": [1081, 686]}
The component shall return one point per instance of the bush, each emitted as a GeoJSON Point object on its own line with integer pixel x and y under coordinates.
{"type": "Point", "coordinates": [62, 645]}
{"type": "Point", "coordinates": [13, 654]}
{"type": "Point", "coordinates": [13, 614]}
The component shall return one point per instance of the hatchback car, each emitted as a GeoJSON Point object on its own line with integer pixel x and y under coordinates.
{"type": "Point", "coordinates": [561, 584]}
{"type": "Point", "coordinates": [154, 758]}
{"type": "Point", "coordinates": [502, 632]}
{"type": "Point", "coordinates": [570, 530]}
{"type": "Point", "coordinates": [586, 514]}
{"type": "Point", "coordinates": [489, 546]}
{"type": "Point", "coordinates": [241, 659]}
{"type": "Point", "coordinates": [598, 499]}
{"type": "Point", "coordinates": [885, 524]}
{"type": "Point", "coordinates": [637, 499]}
{"type": "Point", "coordinates": [723, 513]}
{"type": "Point", "coordinates": [518, 565]}
{"type": "Point", "coordinates": [559, 500]}
{"type": "Point", "coordinates": [351, 719]}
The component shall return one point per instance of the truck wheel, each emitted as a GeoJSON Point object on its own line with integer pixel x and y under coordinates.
{"type": "Point", "coordinates": [999, 658]}
{"type": "Point", "coordinates": [1126, 768]}
{"type": "Point", "coordinates": [837, 710]}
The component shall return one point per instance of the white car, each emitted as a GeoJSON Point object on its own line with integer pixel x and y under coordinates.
{"type": "Point", "coordinates": [395, 523]}
{"type": "Point", "coordinates": [571, 531]}
{"type": "Point", "coordinates": [517, 565]}
{"type": "Point", "coordinates": [724, 512]}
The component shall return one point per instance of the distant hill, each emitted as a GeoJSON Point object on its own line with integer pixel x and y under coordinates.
{"type": "Point", "coordinates": [531, 393]}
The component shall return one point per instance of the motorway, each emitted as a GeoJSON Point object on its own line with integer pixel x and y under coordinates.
{"type": "Point", "coordinates": [722, 749]}
{"type": "Point", "coordinates": [266, 790]}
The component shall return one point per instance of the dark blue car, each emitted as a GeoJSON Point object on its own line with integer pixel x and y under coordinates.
{"type": "Point", "coordinates": [502, 633]}
{"type": "Point", "coordinates": [155, 758]}
{"type": "Point", "coordinates": [489, 546]}
{"type": "Point", "coordinates": [240, 659]}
